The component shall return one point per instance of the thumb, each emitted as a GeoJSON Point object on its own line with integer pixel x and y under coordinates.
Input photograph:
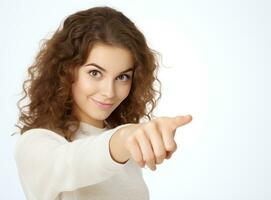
{"type": "Point", "coordinates": [181, 120]}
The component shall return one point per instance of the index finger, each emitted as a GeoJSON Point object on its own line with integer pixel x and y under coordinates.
{"type": "Point", "coordinates": [182, 120]}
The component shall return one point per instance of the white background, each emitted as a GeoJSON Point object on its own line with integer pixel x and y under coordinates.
{"type": "Point", "coordinates": [215, 66]}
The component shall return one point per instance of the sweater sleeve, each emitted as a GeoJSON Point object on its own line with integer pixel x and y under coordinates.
{"type": "Point", "coordinates": [48, 164]}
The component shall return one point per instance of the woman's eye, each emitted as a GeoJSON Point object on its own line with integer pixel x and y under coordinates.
{"type": "Point", "coordinates": [125, 75]}
{"type": "Point", "coordinates": [93, 72]}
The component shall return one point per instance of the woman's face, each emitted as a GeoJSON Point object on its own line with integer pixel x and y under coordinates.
{"type": "Point", "coordinates": [106, 77]}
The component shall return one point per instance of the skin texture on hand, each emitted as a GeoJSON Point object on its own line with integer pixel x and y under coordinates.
{"type": "Point", "coordinates": [147, 143]}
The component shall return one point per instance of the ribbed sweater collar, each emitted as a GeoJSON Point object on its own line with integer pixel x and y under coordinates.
{"type": "Point", "coordinates": [90, 129]}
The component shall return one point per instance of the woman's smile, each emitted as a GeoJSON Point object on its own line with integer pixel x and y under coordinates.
{"type": "Point", "coordinates": [102, 105]}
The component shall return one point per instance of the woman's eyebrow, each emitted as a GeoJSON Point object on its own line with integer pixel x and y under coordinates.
{"type": "Point", "coordinates": [96, 65]}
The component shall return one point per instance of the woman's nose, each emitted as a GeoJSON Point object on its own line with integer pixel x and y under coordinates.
{"type": "Point", "coordinates": [108, 89]}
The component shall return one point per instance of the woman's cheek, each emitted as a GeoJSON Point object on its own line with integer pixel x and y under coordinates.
{"type": "Point", "coordinates": [88, 84]}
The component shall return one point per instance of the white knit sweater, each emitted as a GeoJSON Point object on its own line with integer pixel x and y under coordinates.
{"type": "Point", "coordinates": [51, 168]}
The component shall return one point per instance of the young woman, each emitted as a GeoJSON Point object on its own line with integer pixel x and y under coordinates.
{"type": "Point", "coordinates": [81, 134]}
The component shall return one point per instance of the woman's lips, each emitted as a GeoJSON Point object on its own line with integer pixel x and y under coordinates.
{"type": "Point", "coordinates": [102, 105]}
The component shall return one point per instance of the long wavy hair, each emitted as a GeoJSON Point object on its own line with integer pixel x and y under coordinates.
{"type": "Point", "coordinates": [50, 76]}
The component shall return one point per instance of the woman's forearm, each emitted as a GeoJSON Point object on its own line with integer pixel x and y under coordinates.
{"type": "Point", "coordinates": [117, 148]}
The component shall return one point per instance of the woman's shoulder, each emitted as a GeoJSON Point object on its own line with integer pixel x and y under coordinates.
{"type": "Point", "coordinates": [36, 140]}
{"type": "Point", "coordinates": [41, 133]}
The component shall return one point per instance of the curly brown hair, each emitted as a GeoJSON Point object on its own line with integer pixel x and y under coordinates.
{"type": "Point", "coordinates": [52, 73]}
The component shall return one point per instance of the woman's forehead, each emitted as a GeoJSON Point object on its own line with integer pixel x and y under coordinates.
{"type": "Point", "coordinates": [108, 57]}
